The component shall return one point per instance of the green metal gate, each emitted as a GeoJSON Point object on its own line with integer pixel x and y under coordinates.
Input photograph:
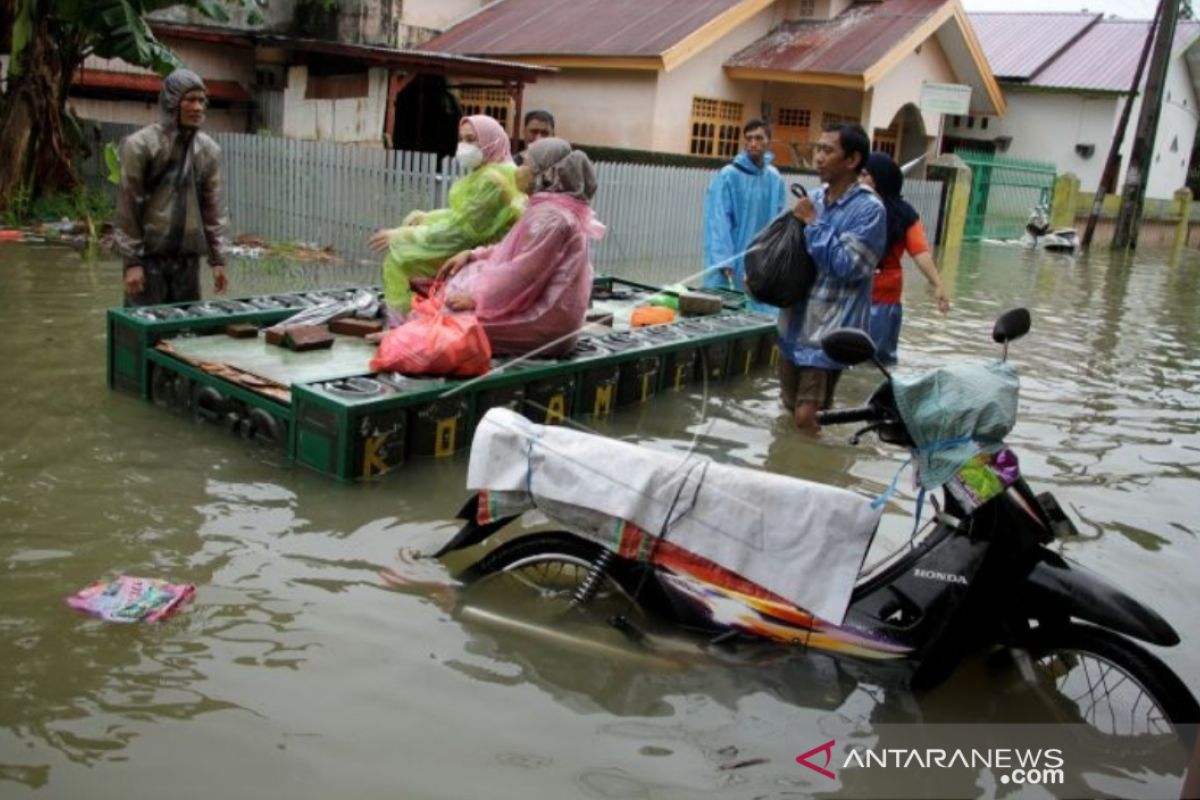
{"type": "Point", "coordinates": [1003, 193]}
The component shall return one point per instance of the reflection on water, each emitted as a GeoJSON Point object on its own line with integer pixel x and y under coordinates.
{"type": "Point", "coordinates": [297, 670]}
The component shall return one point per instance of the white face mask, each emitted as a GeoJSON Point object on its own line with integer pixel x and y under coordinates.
{"type": "Point", "coordinates": [468, 155]}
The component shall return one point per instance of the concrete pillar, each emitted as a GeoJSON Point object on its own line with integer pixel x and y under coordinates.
{"type": "Point", "coordinates": [1183, 201]}
{"type": "Point", "coordinates": [955, 173]}
{"type": "Point", "coordinates": [1064, 203]}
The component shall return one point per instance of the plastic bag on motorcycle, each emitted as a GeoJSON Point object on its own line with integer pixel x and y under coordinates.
{"type": "Point", "coordinates": [955, 413]}
{"type": "Point", "coordinates": [779, 271]}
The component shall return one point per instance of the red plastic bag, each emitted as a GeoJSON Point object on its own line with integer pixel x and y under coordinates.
{"type": "Point", "coordinates": [435, 342]}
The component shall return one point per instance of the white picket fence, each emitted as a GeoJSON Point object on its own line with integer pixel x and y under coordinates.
{"type": "Point", "coordinates": [287, 190]}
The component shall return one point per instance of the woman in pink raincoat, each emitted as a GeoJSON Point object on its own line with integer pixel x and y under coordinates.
{"type": "Point", "coordinates": [531, 290]}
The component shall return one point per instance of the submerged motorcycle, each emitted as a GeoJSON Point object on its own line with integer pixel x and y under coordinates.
{"type": "Point", "coordinates": [981, 575]}
{"type": "Point", "coordinates": [1039, 234]}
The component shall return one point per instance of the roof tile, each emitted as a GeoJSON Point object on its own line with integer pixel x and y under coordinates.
{"type": "Point", "coordinates": [849, 44]}
{"type": "Point", "coordinates": [615, 28]}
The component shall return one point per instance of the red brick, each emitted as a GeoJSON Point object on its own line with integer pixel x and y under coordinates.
{"type": "Point", "coordinates": [352, 326]}
{"type": "Point", "coordinates": [307, 337]}
{"type": "Point", "coordinates": [242, 330]}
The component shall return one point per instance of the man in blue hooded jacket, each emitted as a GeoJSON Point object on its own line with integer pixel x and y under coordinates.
{"type": "Point", "coordinates": [742, 199]}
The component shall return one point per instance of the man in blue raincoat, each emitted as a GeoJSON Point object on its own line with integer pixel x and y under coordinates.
{"type": "Point", "coordinates": [742, 199]}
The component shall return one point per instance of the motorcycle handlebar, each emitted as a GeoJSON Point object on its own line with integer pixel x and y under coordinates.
{"type": "Point", "coordinates": [848, 415]}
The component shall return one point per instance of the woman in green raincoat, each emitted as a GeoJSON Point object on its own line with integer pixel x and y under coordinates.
{"type": "Point", "coordinates": [484, 204]}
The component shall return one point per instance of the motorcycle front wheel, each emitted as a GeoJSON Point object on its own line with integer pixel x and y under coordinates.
{"type": "Point", "coordinates": [1113, 685]}
{"type": "Point", "coordinates": [553, 567]}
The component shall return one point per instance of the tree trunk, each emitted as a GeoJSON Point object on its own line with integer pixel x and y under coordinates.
{"type": "Point", "coordinates": [35, 158]}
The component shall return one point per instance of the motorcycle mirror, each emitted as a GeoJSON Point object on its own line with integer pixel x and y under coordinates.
{"type": "Point", "coordinates": [850, 346]}
{"type": "Point", "coordinates": [1012, 324]}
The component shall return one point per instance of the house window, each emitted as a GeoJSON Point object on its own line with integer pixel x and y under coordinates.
{"type": "Point", "coordinates": [957, 121]}
{"type": "Point", "coordinates": [887, 140]}
{"type": "Point", "coordinates": [270, 76]}
{"type": "Point", "coordinates": [496, 103]}
{"type": "Point", "coordinates": [983, 123]}
{"type": "Point", "coordinates": [970, 122]}
{"type": "Point", "coordinates": [806, 8]}
{"type": "Point", "coordinates": [794, 118]}
{"type": "Point", "coordinates": [837, 119]}
{"type": "Point", "coordinates": [716, 127]}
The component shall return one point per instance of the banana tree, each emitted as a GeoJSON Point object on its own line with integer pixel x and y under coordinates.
{"type": "Point", "coordinates": [47, 41]}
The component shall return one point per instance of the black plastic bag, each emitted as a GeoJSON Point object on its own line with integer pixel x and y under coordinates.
{"type": "Point", "coordinates": [779, 271]}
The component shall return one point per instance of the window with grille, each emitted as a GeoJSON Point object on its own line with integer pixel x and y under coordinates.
{"type": "Point", "coordinates": [806, 8]}
{"type": "Point", "coordinates": [496, 103]}
{"type": "Point", "coordinates": [833, 119]}
{"type": "Point", "coordinates": [793, 118]}
{"type": "Point", "coordinates": [887, 140]}
{"type": "Point", "coordinates": [716, 127]}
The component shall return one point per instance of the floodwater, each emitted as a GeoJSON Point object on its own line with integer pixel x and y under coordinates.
{"type": "Point", "coordinates": [298, 673]}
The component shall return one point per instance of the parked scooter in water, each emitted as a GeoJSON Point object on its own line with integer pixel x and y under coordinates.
{"type": "Point", "coordinates": [980, 576]}
{"type": "Point", "coordinates": [1038, 233]}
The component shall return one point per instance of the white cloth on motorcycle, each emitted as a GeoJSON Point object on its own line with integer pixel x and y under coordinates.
{"type": "Point", "coordinates": [801, 540]}
{"type": "Point", "coordinates": [955, 413]}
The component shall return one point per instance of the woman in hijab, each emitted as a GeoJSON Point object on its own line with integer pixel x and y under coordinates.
{"type": "Point", "coordinates": [531, 290]}
{"type": "Point", "coordinates": [904, 235]}
{"type": "Point", "coordinates": [484, 204]}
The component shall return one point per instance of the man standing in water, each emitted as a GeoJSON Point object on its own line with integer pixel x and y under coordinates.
{"type": "Point", "coordinates": [742, 199]}
{"type": "Point", "coordinates": [169, 208]}
{"type": "Point", "coordinates": [845, 235]}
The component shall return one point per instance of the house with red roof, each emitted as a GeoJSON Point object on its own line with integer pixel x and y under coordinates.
{"type": "Point", "coordinates": [1066, 78]}
{"type": "Point", "coordinates": [353, 76]}
{"type": "Point", "coordinates": [682, 77]}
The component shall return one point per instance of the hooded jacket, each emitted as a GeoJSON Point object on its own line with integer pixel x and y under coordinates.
{"type": "Point", "coordinates": [169, 204]}
{"type": "Point", "coordinates": [742, 200]}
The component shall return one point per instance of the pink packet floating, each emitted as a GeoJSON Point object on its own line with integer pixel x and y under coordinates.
{"type": "Point", "coordinates": [131, 599]}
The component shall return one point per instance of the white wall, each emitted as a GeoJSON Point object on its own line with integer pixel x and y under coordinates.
{"type": "Point", "coordinates": [209, 61]}
{"type": "Point", "coordinates": [703, 75]}
{"type": "Point", "coordinates": [1176, 130]}
{"type": "Point", "coordinates": [822, 9]}
{"type": "Point", "coordinates": [614, 108]}
{"type": "Point", "coordinates": [1046, 126]}
{"type": "Point", "coordinates": [902, 85]}
{"type": "Point", "coordinates": [351, 120]}
{"type": "Point", "coordinates": [136, 112]}
{"type": "Point", "coordinates": [440, 14]}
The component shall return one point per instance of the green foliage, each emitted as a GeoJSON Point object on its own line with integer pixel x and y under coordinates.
{"type": "Point", "coordinates": [112, 160]}
{"type": "Point", "coordinates": [17, 210]}
{"type": "Point", "coordinates": [314, 18]}
{"type": "Point", "coordinates": [24, 209]}
{"type": "Point", "coordinates": [21, 33]}
{"type": "Point", "coordinates": [112, 28]}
